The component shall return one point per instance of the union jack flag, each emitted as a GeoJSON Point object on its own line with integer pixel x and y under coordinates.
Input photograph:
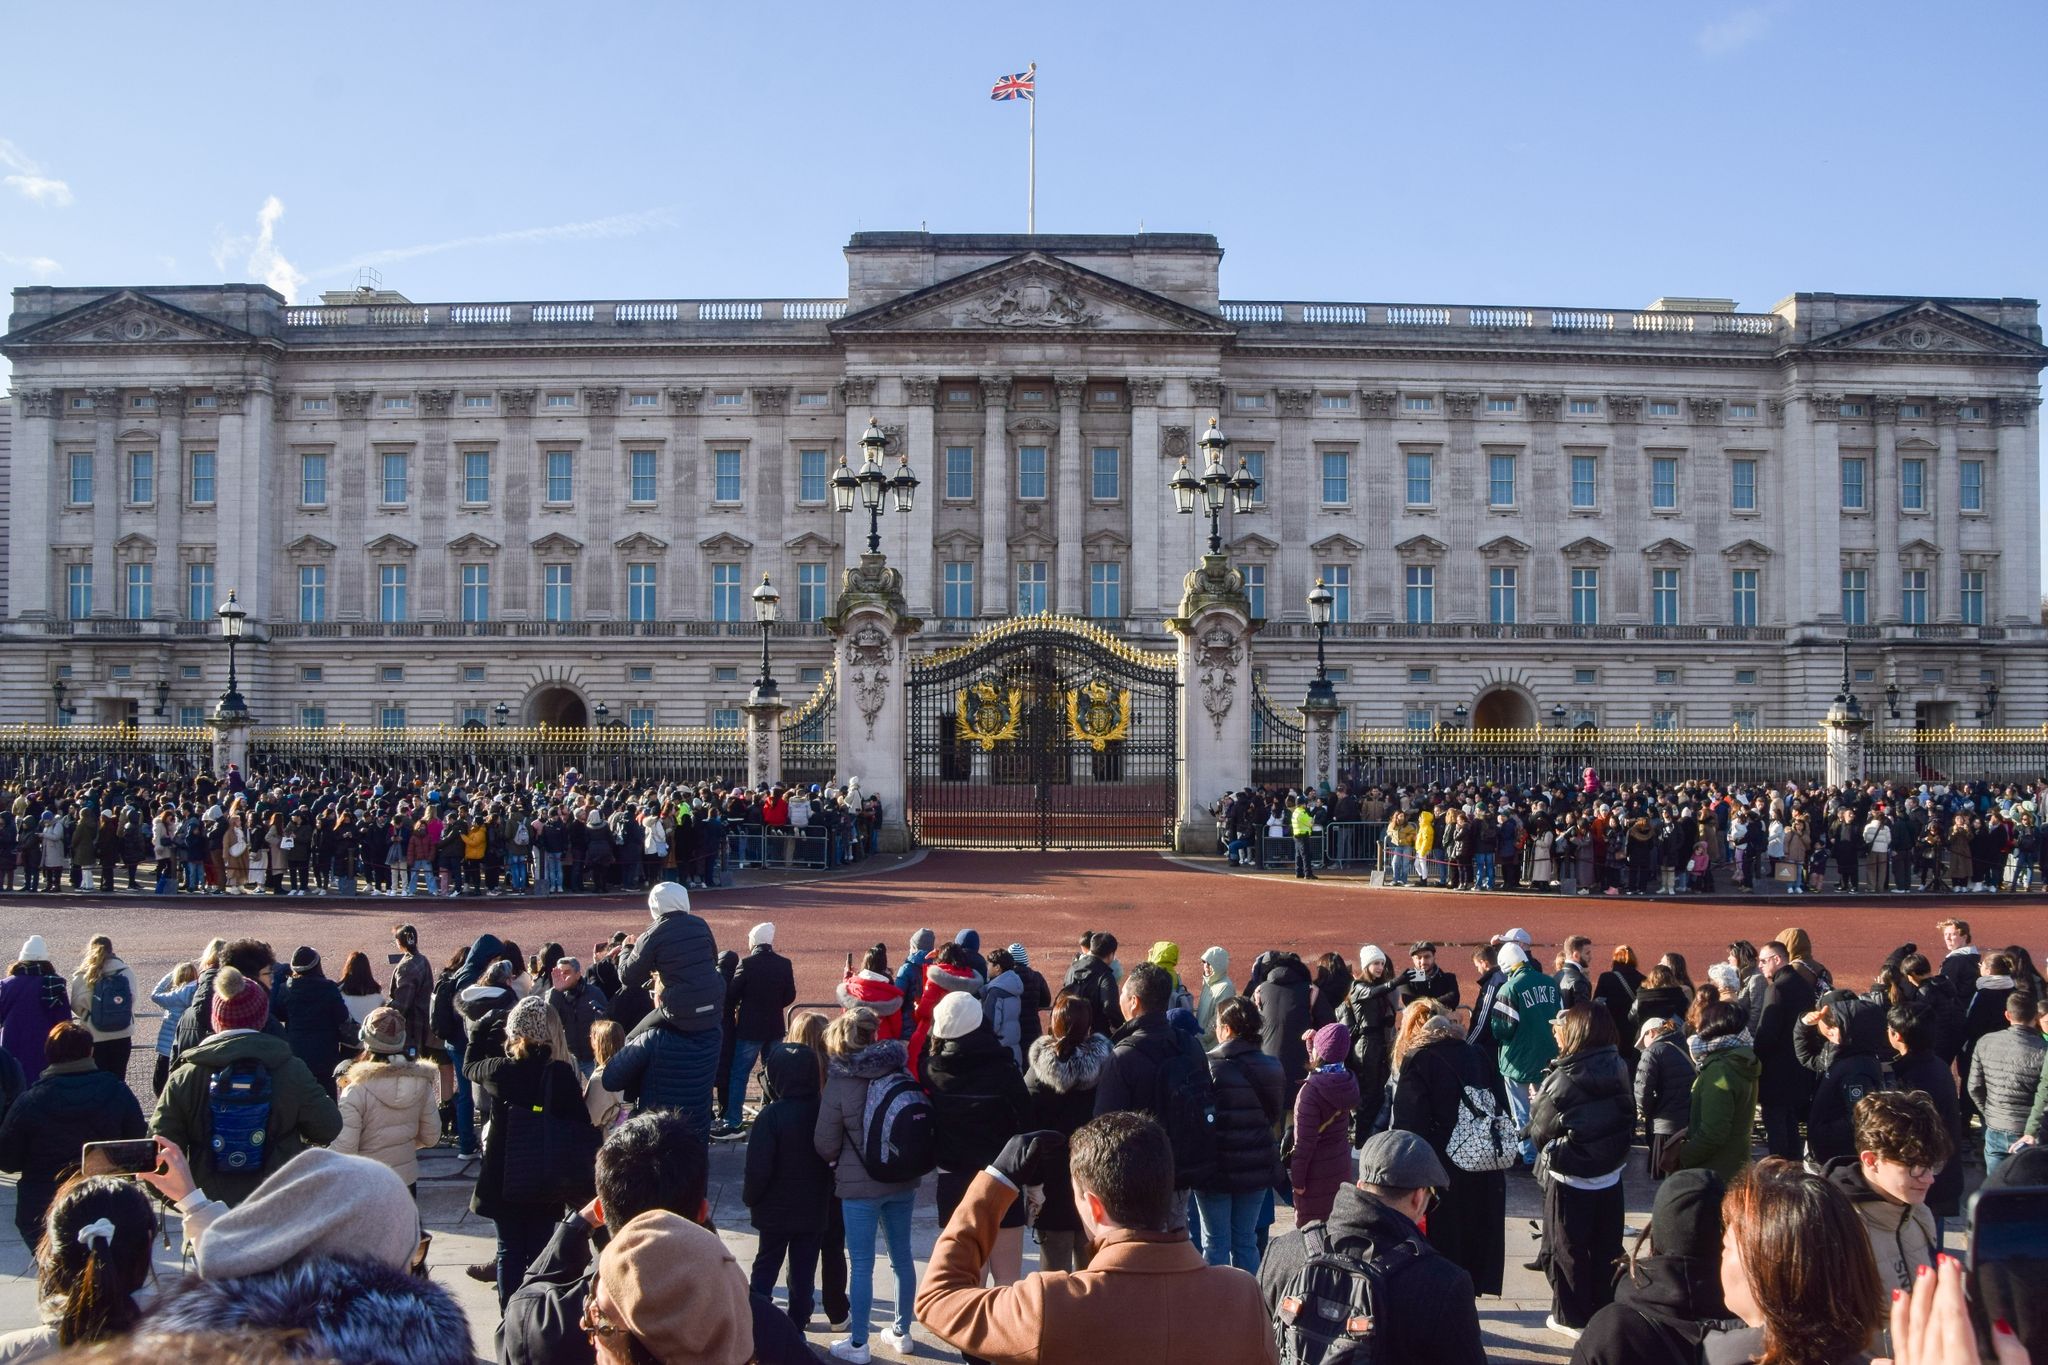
{"type": "Point", "coordinates": [1017, 87]}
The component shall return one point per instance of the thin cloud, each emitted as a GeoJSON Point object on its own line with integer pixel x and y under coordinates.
{"type": "Point", "coordinates": [594, 229]}
{"type": "Point", "coordinates": [42, 267]}
{"type": "Point", "coordinates": [258, 252]}
{"type": "Point", "coordinates": [1724, 37]}
{"type": "Point", "coordinates": [28, 179]}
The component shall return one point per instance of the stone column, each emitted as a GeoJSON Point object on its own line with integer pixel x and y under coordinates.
{"type": "Point", "coordinates": [684, 593]}
{"type": "Point", "coordinates": [1886, 514]}
{"type": "Point", "coordinates": [353, 475]}
{"type": "Point", "coordinates": [37, 494]}
{"type": "Point", "coordinates": [170, 498]}
{"type": "Point", "coordinates": [1813, 467]}
{"type": "Point", "coordinates": [1621, 590]}
{"type": "Point", "coordinates": [919, 440]}
{"type": "Point", "coordinates": [998, 594]}
{"type": "Point", "coordinates": [1215, 719]}
{"type": "Point", "coordinates": [1319, 744]}
{"type": "Point", "coordinates": [764, 737]}
{"type": "Point", "coordinates": [871, 625]}
{"type": "Point", "coordinates": [1462, 596]}
{"type": "Point", "coordinates": [1294, 488]}
{"type": "Point", "coordinates": [2017, 595]}
{"type": "Point", "coordinates": [1945, 488]}
{"type": "Point", "coordinates": [432, 492]}
{"type": "Point", "coordinates": [515, 474]}
{"type": "Point", "coordinates": [1147, 498]}
{"type": "Point", "coordinates": [230, 742]}
{"type": "Point", "coordinates": [242, 531]}
{"type": "Point", "coordinates": [602, 482]}
{"type": "Point", "coordinates": [1069, 497]}
{"type": "Point", "coordinates": [1705, 598]}
{"type": "Point", "coordinates": [106, 499]}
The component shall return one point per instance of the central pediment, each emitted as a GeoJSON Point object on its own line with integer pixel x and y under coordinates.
{"type": "Point", "coordinates": [128, 317]}
{"type": "Point", "coordinates": [1033, 294]}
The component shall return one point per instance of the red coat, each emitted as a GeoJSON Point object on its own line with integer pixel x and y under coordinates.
{"type": "Point", "coordinates": [879, 994]}
{"type": "Point", "coordinates": [939, 982]}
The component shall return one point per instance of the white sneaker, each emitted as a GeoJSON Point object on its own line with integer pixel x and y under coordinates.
{"type": "Point", "coordinates": [1554, 1325]}
{"type": "Point", "coordinates": [839, 1326]}
{"type": "Point", "coordinates": [896, 1341]}
{"type": "Point", "coordinates": [846, 1350]}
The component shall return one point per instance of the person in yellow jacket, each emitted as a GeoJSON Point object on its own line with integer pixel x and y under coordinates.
{"type": "Point", "coordinates": [1425, 844]}
{"type": "Point", "coordinates": [1301, 823]}
{"type": "Point", "coordinates": [475, 839]}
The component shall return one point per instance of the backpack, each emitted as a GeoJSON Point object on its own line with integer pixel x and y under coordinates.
{"type": "Point", "coordinates": [113, 1008]}
{"type": "Point", "coordinates": [238, 1113]}
{"type": "Point", "coordinates": [1187, 1110]}
{"type": "Point", "coordinates": [898, 1136]}
{"type": "Point", "coordinates": [443, 1018]}
{"type": "Point", "coordinates": [1332, 1305]}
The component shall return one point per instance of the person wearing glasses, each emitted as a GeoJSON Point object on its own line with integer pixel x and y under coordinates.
{"type": "Point", "coordinates": [1901, 1145]}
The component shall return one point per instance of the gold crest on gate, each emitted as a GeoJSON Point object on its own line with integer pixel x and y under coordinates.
{"type": "Point", "coordinates": [981, 719]}
{"type": "Point", "coordinates": [1096, 716]}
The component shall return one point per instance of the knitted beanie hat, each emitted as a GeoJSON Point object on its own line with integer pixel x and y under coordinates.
{"type": "Point", "coordinates": [1019, 956]}
{"type": "Point", "coordinates": [761, 933]}
{"type": "Point", "coordinates": [1332, 1043]}
{"type": "Point", "coordinates": [319, 1203]}
{"type": "Point", "coordinates": [238, 1002]}
{"type": "Point", "coordinates": [922, 941]}
{"type": "Point", "coordinates": [678, 1291]}
{"type": "Point", "coordinates": [528, 1020]}
{"type": "Point", "coordinates": [384, 1032]}
{"type": "Point", "coordinates": [956, 1015]}
{"type": "Point", "coordinates": [304, 960]}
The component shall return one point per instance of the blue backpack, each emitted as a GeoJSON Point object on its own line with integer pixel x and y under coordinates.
{"type": "Point", "coordinates": [238, 1110]}
{"type": "Point", "coordinates": [112, 1007]}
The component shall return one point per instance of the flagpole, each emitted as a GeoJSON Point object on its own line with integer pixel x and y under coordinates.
{"type": "Point", "coordinates": [1031, 158]}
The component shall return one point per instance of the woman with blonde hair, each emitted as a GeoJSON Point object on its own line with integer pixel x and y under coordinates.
{"type": "Point", "coordinates": [1437, 1073]}
{"type": "Point", "coordinates": [235, 851]}
{"type": "Point", "coordinates": [103, 1001]}
{"type": "Point", "coordinates": [857, 1059]}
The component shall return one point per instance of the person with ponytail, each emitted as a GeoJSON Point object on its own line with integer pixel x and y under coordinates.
{"type": "Point", "coordinates": [107, 1012]}
{"type": "Point", "coordinates": [872, 986]}
{"type": "Point", "coordinates": [92, 1268]}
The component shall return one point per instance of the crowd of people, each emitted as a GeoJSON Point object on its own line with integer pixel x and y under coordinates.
{"type": "Point", "coordinates": [1600, 837]}
{"type": "Point", "coordinates": [1142, 1120]}
{"type": "Point", "coordinates": [475, 833]}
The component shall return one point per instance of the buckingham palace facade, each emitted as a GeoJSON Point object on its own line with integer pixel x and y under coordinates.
{"type": "Point", "coordinates": [1668, 516]}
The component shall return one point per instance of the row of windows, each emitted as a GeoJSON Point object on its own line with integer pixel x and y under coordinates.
{"type": "Point", "coordinates": [1913, 485]}
{"type": "Point", "coordinates": [557, 402]}
{"type": "Point", "coordinates": [201, 482]}
{"type": "Point", "coordinates": [1498, 405]}
{"type": "Point", "coordinates": [1914, 594]}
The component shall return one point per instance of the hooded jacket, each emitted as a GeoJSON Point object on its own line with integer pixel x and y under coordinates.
{"type": "Point", "coordinates": [1002, 1000]}
{"type": "Point", "coordinates": [31, 1004]}
{"type": "Point", "coordinates": [939, 982]}
{"type": "Point", "coordinates": [1370, 1012]}
{"type": "Point", "coordinates": [681, 948]}
{"type": "Point", "coordinates": [1924, 1070]}
{"type": "Point", "coordinates": [842, 1111]}
{"type": "Point", "coordinates": [1583, 1116]}
{"type": "Point", "coordinates": [1717, 1130]}
{"type": "Point", "coordinates": [1901, 1235]}
{"type": "Point", "coordinates": [1663, 1308]}
{"type": "Point", "coordinates": [1322, 1138]}
{"type": "Point", "coordinates": [665, 1067]}
{"type": "Point", "coordinates": [1432, 1317]}
{"type": "Point", "coordinates": [1213, 993]}
{"type": "Point", "coordinates": [1785, 1082]}
{"type": "Point", "coordinates": [1664, 1078]}
{"type": "Point", "coordinates": [1522, 1012]}
{"type": "Point", "coordinates": [1251, 1101]}
{"type": "Point", "coordinates": [978, 1099]}
{"type": "Point", "coordinates": [787, 1187]}
{"type": "Point", "coordinates": [878, 993]}
{"type": "Point", "coordinates": [969, 942]}
{"type": "Point", "coordinates": [301, 1115]}
{"type": "Point", "coordinates": [335, 1307]}
{"type": "Point", "coordinates": [1062, 1095]}
{"type": "Point", "coordinates": [538, 1083]}
{"type": "Point", "coordinates": [389, 1111]}
{"type": "Point", "coordinates": [1091, 977]}
{"type": "Point", "coordinates": [72, 1104]}
{"type": "Point", "coordinates": [1283, 1001]}
{"type": "Point", "coordinates": [1854, 1073]}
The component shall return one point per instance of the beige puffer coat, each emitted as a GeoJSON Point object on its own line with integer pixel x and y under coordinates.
{"type": "Point", "coordinates": [389, 1110]}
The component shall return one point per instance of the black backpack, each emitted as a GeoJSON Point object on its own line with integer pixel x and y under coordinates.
{"type": "Point", "coordinates": [1187, 1110]}
{"type": "Point", "coordinates": [1332, 1306]}
{"type": "Point", "coordinates": [443, 1018]}
{"type": "Point", "coordinates": [898, 1137]}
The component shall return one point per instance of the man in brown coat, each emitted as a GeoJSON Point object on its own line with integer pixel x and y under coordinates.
{"type": "Point", "coordinates": [1146, 1294]}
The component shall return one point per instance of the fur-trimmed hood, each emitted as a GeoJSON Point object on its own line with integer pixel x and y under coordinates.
{"type": "Point", "coordinates": [1081, 1071]}
{"type": "Point", "coordinates": [872, 989]}
{"type": "Point", "coordinates": [338, 1307]}
{"type": "Point", "coordinates": [874, 1061]}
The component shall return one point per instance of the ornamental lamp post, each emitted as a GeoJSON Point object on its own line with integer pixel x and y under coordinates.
{"type": "Point", "coordinates": [1214, 487]}
{"type": "Point", "coordinates": [163, 695]}
{"type": "Point", "coordinates": [231, 706]}
{"type": "Point", "coordinates": [872, 482]}
{"type": "Point", "coordinates": [502, 714]}
{"type": "Point", "coordinates": [767, 602]}
{"type": "Point", "coordinates": [1320, 602]}
{"type": "Point", "coordinates": [1990, 702]}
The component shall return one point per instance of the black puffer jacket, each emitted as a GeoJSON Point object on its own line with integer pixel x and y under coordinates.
{"type": "Point", "coordinates": [1664, 1077]}
{"type": "Point", "coordinates": [1283, 1001]}
{"type": "Point", "coordinates": [1925, 1070]}
{"type": "Point", "coordinates": [978, 1099]}
{"type": "Point", "coordinates": [1854, 1073]}
{"type": "Point", "coordinates": [1654, 1002]}
{"type": "Point", "coordinates": [1583, 1117]}
{"type": "Point", "coordinates": [788, 1186]}
{"type": "Point", "coordinates": [681, 948]}
{"type": "Point", "coordinates": [1369, 1011]}
{"type": "Point", "coordinates": [72, 1104]}
{"type": "Point", "coordinates": [1786, 1081]}
{"type": "Point", "coordinates": [316, 1022]}
{"type": "Point", "coordinates": [534, 1083]}
{"type": "Point", "coordinates": [1091, 978]}
{"type": "Point", "coordinates": [1250, 1102]}
{"type": "Point", "coordinates": [1062, 1099]}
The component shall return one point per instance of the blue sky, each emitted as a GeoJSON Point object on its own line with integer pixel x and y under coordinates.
{"type": "Point", "coordinates": [1587, 154]}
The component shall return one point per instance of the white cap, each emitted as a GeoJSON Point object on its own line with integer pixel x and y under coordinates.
{"type": "Point", "coordinates": [761, 933]}
{"type": "Point", "coordinates": [956, 1015]}
{"type": "Point", "coordinates": [1520, 936]}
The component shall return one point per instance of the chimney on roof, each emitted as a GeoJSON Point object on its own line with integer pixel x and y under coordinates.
{"type": "Point", "coordinates": [1679, 304]}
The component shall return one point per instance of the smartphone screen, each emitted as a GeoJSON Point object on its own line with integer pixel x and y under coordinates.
{"type": "Point", "coordinates": [394, 958]}
{"type": "Point", "coordinates": [124, 1157]}
{"type": "Point", "coordinates": [2008, 1259]}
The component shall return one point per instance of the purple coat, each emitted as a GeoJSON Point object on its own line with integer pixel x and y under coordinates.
{"type": "Point", "coordinates": [26, 1018]}
{"type": "Point", "coordinates": [1322, 1140]}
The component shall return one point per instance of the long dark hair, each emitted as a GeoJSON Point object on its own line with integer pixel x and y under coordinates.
{"type": "Point", "coordinates": [357, 978]}
{"type": "Point", "coordinates": [93, 1278]}
{"type": "Point", "coordinates": [1073, 1019]}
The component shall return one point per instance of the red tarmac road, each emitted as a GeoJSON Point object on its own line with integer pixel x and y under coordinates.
{"type": "Point", "coordinates": [1043, 901]}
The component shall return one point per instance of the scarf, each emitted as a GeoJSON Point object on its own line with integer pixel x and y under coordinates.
{"type": "Point", "coordinates": [1702, 1048]}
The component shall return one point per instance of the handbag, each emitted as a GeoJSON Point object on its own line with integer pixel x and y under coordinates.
{"type": "Point", "coordinates": [238, 848]}
{"type": "Point", "coordinates": [1484, 1139]}
{"type": "Point", "coordinates": [549, 1159]}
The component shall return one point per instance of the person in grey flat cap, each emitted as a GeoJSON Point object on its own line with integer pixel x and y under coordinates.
{"type": "Point", "coordinates": [1428, 1313]}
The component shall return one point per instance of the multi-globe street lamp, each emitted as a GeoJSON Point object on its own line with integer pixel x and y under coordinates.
{"type": "Point", "coordinates": [872, 482]}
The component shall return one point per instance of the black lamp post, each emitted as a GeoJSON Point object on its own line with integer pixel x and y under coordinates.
{"type": "Point", "coordinates": [1990, 708]}
{"type": "Point", "coordinates": [501, 713]}
{"type": "Point", "coordinates": [1891, 699]}
{"type": "Point", "coordinates": [163, 695]}
{"type": "Point", "coordinates": [603, 713]}
{"type": "Point", "coordinates": [1215, 486]}
{"type": "Point", "coordinates": [1320, 602]}
{"type": "Point", "coordinates": [1459, 712]}
{"type": "Point", "coordinates": [766, 607]}
{"type": "Point", "coordinates": [872, 482]}
{"type": "Point", "coordinates": [1845, 700]}
{"type": "Point", "coordinates": [57, 690]}
{"type": "Point", "coordinates": [231, 706]}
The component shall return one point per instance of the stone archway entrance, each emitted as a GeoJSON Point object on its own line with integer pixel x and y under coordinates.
{"type": "Point", "coordinates": [1503, 708]}
{"type": "Point", "coordinates": [559, 708]}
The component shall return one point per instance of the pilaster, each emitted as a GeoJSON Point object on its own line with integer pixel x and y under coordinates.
{"type": "Point", "coordinates": [1886, 512]}
{"type": "Point", "coordinates": [599, 485]}
{"type": "Point", "coordinates": [106, 498]}
{"type": "Point", "coordinates": [1147, 497]}
{"type": "Point", "coordinates": [514, 471]}
{"type": "Point", "coordinates": [1946, 490]}
{"type": "Point", "coordinates": [686, 593]}
{"type": "Point", "coordinates": [1069, 497]}
{"type": "Point", "coordinates": [33, 473]}
{"type": "Point", "coordinates": [2017, 591]}
{"type": "Point", "coordinates": [920, 441]}
{"type": "Point", "coordinates": [998, 593]}
{"type": "Point", "coordinates": [170, 498]}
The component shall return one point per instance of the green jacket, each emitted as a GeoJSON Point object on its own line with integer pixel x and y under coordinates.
{"type": "Point", "coordinates": [1723, 1108]}
{"type": "Point", "coordinates": [301, 1115]}
{"type": "Point", "coordinates": [1521, 1024]}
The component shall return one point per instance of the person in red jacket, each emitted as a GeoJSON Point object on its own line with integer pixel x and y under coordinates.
{"type": "Point", "coordinates": [873, 986]}
{"type": "Point", "coordinates": [948, 972]}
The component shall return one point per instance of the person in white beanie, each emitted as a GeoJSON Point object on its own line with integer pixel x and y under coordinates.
{"type": "Point", "coordinates": [34, 999]}
{"type": "Point", "coordinates": [762, 990]}
{"type": "Point", "coordinates": [978, 1103]}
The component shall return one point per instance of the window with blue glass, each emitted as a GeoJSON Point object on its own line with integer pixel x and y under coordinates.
{"type": "Point", "coordinates": [1031, 472]}
{"type": "Point", "coordinates": [812, 470]}
{"type": "Point", "coordinates": [558, 592]}
{"type": "Point", "coordinates": [199, 592]}
{"type": "Point", "coordinates": [1255, 465]}
{"type": "Point", "coordinates": [1971, 493]}
{"type": "Point", "coordinates": [1973, 597]}
{"type": "Point", "coordinates": [1030, 587]}
{"type": "Point", "coordinates": [1742, 586]}
{"type": "Point", "coordinates": [313, 479]}
{"type": "Point", "coordinates": [1852, 485]}
{"type": "Point", "coordinates": [1742, 485]}
{"type": "Point", "coordinates": [393, 602]}
{"type": "Point", "coordinates": [392, 466]}
{"type": "Point", "coordinates": [1503, 587]}
{"type": "Point", "coordinates": [1337, 578]}
{"type": "Point", "coordinates": [476, 476]}
{"type": "Point", "coordinates": [1664, 483]}
{"type": "Point", "coordinates": [1105, 473]}
{"type": "Point", "coordinates": [142, 476]}
{"type": "Point", "coordinates": [1856, 597]}
{"type": "Point", "coordinates": [1421, 479]}
{"type": "Point", "coordinates": [141, 591]}
{"type": "Point", "coordinates": [1663, 597]}
{"type": "Point", "coordinates": [476, 592]}
{"type": "Point", "coordinates": [1585, 481]}
{"type": "Point", "coordinates": [1419, 591]}
{"type": "Point", "coordinates": [1912, 485]}
{"type": "Point", "coordinates": [1105, 590]}
{"type": "Point", "coordinates": [1500, 480]}
{"type": "Point", "coordinates": [1913, 597]}
{"type": "Point", "coordinates": [642, 472]}
{"type": "Point", "coordinates": [1255, 587]}
{"type": "Point", "coordinates": [1585, 597]}
{"type": "Point", "coordinates": [313, 592]}
{"type": "Point", "coordinates": [79, 467]}
{"type": "Point", "coordinates": [725, 592]}
{"type": "Point", "coordinates": [640, 592]}
{"type": "Point", "coordinates": [959, 473]}
{"type": "Point", "coordinates": [1336, 478]}
{"type": "Point", "coordinates": [810, 592]}
{"type": "Point", "coordinates": [78, 591]}
{"type": "Point", "coordinates": [959, 586]}
{"type": "Point", "coordinates": [561, 476]}
{"type": "Point", "coordinates": [202, 477]}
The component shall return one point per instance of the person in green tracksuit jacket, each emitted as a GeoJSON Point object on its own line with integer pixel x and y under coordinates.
{"type": "Point", "coordinates": [1522, 1012]}
{"type": "Point", "coordinates": [1302, 825]}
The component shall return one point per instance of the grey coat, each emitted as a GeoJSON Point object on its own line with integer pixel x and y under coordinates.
{"type": "Point", "coordinates": [2006, 1074]}
{"type": "Point", "coordinates": [842, 1109]}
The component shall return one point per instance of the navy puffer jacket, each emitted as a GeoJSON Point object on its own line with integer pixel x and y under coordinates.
{"type": "Point", "coordinates": [681, 948]}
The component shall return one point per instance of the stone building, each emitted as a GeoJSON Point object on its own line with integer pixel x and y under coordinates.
{"type": "Point", "coordinates": [1655, 516]}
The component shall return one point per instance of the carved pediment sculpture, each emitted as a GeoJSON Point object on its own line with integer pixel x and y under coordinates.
{"type": "Point", "coordinates": [1032, 302]}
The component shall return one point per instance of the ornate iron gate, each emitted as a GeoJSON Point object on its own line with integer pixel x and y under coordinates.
{"type": "Point", "coordinates": [1043, 733]}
